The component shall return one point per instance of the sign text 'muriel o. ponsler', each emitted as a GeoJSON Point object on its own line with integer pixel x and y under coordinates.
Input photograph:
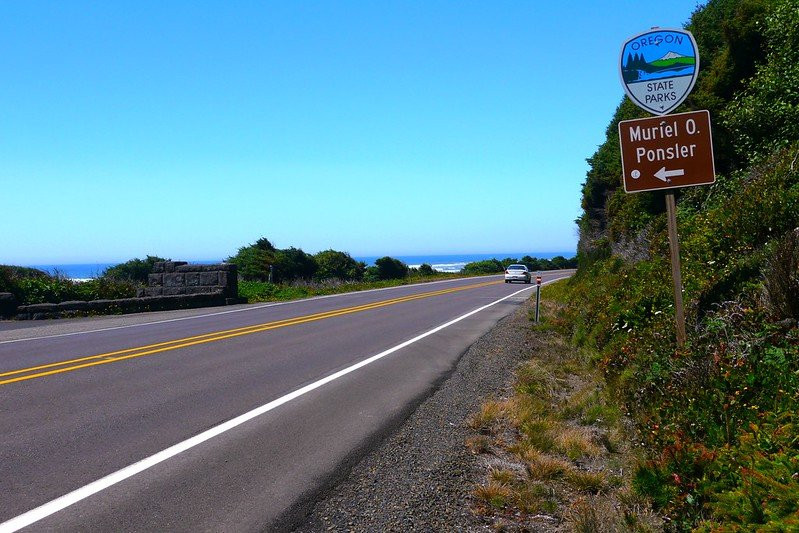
{"type": "Point", "coordinates": [667, 152]}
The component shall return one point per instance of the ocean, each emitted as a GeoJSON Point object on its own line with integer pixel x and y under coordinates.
{"type": "Point", "coordinates": [442, 263]}
{"type": "Point", "coordinates": [455, 262]}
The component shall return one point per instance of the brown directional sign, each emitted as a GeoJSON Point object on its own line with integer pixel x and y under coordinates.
{"type": "Point", "coordinates": [667, 152]}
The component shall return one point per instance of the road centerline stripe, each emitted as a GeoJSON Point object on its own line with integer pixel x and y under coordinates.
{"type": "Point", "coordinates": [254, 307]}
{"type": "Point", "coordinates": [25, 374]}
{"type": "Point", "coordinates": [71, 498]}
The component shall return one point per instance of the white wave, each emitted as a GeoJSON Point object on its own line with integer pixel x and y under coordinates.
{"type": "Point", "coordinates": [448, 268]}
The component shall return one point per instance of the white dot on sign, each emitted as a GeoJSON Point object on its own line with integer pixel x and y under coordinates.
{"type": "Point", "coordinates": [635, 174]}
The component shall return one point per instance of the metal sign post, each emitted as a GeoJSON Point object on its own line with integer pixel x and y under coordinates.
{"type": "Point", "coordinates": [658, 68]}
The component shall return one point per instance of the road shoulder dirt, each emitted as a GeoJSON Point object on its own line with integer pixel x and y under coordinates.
{"type": "Point", "coordinates": [521, 437]}
{"type": "Point", "coordinates": [423, 475]}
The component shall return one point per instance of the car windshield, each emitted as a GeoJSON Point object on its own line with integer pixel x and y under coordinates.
{"type": "Point", "coordinates": [517, 267]}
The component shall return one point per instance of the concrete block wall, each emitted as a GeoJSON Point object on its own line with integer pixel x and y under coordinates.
{"type": "Point", "coordinates": [172, 285]}
{"type": "Point", "coordinates": [173, 278]}
{"type": "Point", "coordinates": [120, 306]}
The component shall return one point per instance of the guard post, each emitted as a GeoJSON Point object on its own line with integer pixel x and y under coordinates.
{"type": "Point", "coordinates": [537, 296]}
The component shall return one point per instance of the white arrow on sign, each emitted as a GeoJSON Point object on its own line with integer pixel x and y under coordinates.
{"type": "Point", "coordinates": [664, 175]}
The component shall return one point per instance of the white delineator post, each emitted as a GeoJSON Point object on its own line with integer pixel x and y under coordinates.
{"type": "Point", "coordinates": [537, 296]}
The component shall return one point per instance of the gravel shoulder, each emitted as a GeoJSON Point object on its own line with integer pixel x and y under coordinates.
{"type": "Point", "coordinates": [421, 477]}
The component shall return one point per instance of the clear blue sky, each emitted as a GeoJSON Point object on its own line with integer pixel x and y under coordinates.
{"type": "Point", "coordinates": [188, 129]}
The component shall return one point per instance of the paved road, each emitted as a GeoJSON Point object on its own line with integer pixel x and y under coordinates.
{"type": "Point", "coordinates": [225, 419]}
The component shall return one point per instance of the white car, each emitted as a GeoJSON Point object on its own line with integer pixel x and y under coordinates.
{"type": "Point", "coordinates": [517, 273]}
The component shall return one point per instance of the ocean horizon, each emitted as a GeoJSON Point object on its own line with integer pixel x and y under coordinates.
{"type": "Point", "coordinates": [440, 262]}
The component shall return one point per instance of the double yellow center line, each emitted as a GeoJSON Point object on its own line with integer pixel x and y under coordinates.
{"type": "Point", "coordinates": [71, 365]}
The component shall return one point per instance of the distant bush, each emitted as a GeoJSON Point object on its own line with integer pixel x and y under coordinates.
{"type": "Point", "coordinates": [55, 289]}
{"type": "Point", "coordinates": [133, 270]}
{"type": "Point", "coordinates": [292, 264]}
{"type": "Point", "coordinates": [509, 261]}
{"type": "Point", "coordinates": [332, 264]}
{"type": "Point", "coordinates": [371, 274]}
{"type": "Point", "coordinates": [556, 263]}
{"type": "Point", "coordinates": [559, 262]}
{"type": "Point", "coordinates": [391, 268]}
{"type": "Point", "coordinates": [8, 272]}
{"type": "Point", "coordinates": [488, 266]}
{"type": "Point", "coordinates": [426, 270]}
{"type": "Point", "coordinates": [10, 277]}
{"type": "Point", "coordinates": [253, 261]}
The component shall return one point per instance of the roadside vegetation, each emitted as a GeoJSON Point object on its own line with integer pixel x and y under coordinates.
{"type": "Point", "coordinates": [493, 266]}
{"type": "Point", "coordinates": [715, 425]}
{"type": "Point", "coordinates": [32, 286]}
{"type": "Point", "coordinates": [555, 447]}
{"type": "Point", "coordinates": [294, 274]}
{"type": "Point", "coordinates": [261, 291]}
{"type": "Point", "coordinates": [718, 419]}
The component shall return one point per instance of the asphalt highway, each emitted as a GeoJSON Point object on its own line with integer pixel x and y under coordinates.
{"type": "Point", "coordinates": [223, 419]}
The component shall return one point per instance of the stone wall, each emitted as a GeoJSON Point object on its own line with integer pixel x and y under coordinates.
{"type": "Point", "coordinates": [120, 306]}
{"type": "Point", "coordinates": [172, 285]}
{"type": "Point", "coordinates": [173, 278]}
{"type": "Point", "coordinates": [8, 304]}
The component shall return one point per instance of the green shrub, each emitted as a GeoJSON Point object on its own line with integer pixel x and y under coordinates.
{"type": "Point", "coordinates": [765, 115]}
{"type": "Point", "coordinates": [391, 268]}
{"type": "Point", "coordinates": [10, 277]}
{"type": "Point", "coordinates": [332, 264]}
{"type": "Point", "coordinates": [426, 270]}
{"type": "Point", "coordinates": [292, 264]}
{"type": "Point", "coordinates": [253, 261]}
{"type": "Point", "coordinates": [135, 270]}
{"type": "Point", "coordinates": [488, 266]}
{"type": "Point", "coordinates": [52, 289]}
{"type": "Point", "coordinates": [718, 414]}
{"type": "Point", "coordinates": [756, 482]}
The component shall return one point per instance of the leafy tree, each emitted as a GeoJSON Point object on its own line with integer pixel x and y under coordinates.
{"type": "Point", "coordinates": [292, 263]}
{"type": "Point", "coordinates": [371, 273]}
{"type": "Point", "coordinates": [765, 115]}
{"type": "Point", "coordinates": [390, 268]}
{"type": "Point", "coordinates": [254, 260]}
{"type": "Point", "coordinates": [264, 244]}
{"type": "Point", "coordinates": [332, 264]}
{"type": "Point", "coordinates": [133, 270]}
{"type": "Point", "coordinates": [730, 37]}
{"type": "Point", "coordinates": [533, 263]}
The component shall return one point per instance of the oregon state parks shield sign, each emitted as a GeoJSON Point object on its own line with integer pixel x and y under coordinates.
{"type": "Point", "coordinates": [658, 68]}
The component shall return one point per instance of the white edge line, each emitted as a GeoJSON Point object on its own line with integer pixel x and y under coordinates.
{"type": "Point", "coordinates": [71, 498]}
{"type": "Point", "coordinates": [251, 308]}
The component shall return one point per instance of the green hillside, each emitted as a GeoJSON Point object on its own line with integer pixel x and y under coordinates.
{"type": "Point", "coordinates": [665, 63]}
{"type": "Point", "coordinates": [719, 419]}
